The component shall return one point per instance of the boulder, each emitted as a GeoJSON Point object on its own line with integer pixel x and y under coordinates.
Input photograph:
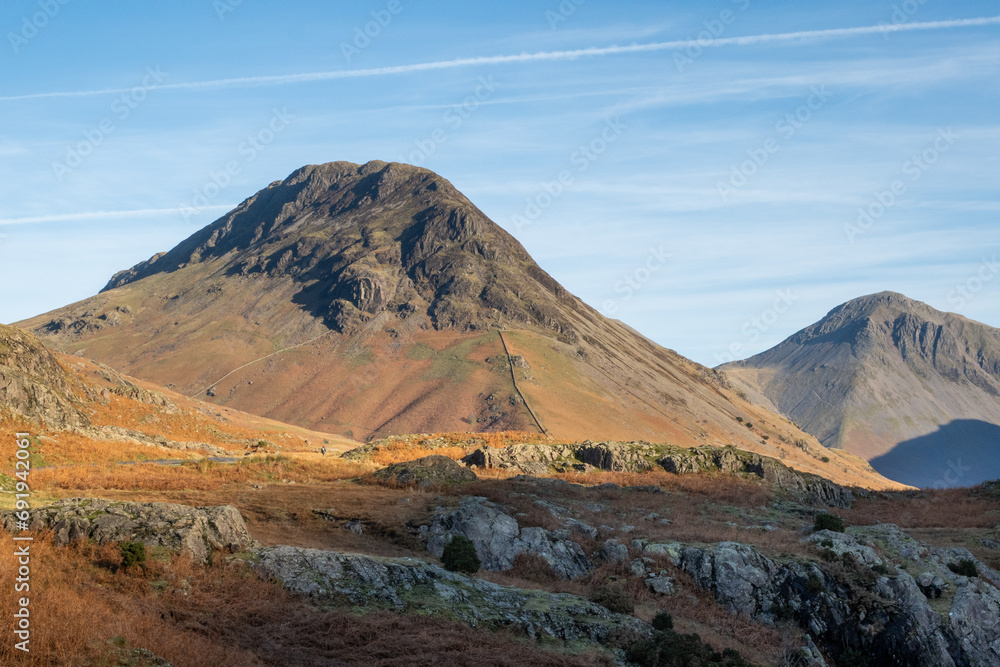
{"type": "Point", "coordinates": [195, 531]}
{"type": "Point", "coordinates": [614, 552]}
{"type": "Point", "coordinates": [499, 539]}
{"type": "Point", "coordinates": [533, 459]}
{"type": "Point", "coordinates": [429, 471]}
{"type": "Point", "coordinates": [662, 585]}
{"type": "Point", "coordinates": [623, 457]}
{"type": "Point", "coordinates": [844, 543]}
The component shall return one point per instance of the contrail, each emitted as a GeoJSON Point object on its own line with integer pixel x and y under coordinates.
{"type": "Point", "coordinates": [749, 40]}
{"type": "Point", "coordinates": [103, 215]}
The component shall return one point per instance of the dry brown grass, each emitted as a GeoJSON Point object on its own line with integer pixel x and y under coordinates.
{"type": "Point", "coordinates": [719, 488]}
{"type": "Point", "coordinates": [945, 508]}
{"type": "Point", "coordinates": [202, 475]}
{"type": "Point", "coordinates": [401, 453]}
{"type": "Point", "coordinates": [229, 617]}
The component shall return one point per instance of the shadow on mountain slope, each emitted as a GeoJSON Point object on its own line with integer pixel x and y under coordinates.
{"type": "Point", "coordinates": [964, 452]}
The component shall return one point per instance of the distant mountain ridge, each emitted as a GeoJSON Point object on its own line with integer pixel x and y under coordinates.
{"type": "Point", "coordinates": [882, 371]}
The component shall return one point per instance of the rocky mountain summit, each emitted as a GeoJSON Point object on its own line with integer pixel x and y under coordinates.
{"type": "Point", "coordinates": [358, 241]}
{"type": "Point", "coordinates": [913, 390]}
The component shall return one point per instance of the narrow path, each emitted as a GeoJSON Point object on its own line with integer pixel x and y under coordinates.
{"type": "Point", "coordinates": [251, 363]}
{"type": "Point", "coordinates": [510, 364]}
{"type": "Point", "coordinates": [159, 462]}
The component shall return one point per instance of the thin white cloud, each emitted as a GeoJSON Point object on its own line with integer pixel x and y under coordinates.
{"type": "Point", "coordinates": [104, 215]}
{"type": "Point", "coordinates": [749, 40]}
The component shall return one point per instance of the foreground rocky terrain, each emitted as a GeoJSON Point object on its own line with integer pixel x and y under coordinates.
{"type": "Point", "coordinates": [872, 594]}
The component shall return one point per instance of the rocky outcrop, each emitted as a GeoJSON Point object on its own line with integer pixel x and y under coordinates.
{"type": "Point", "coordinates": [804, 486]}
{"type": "Point", "coordinates": [33, 384]}
{"type": "Point", "coordinates": [641, 456]}
{"type": "Point", "coordinates": [408, 584]}
{"type": "Point", "coordinates": [429, 471]}
{"type": "Point", "coordinates": [499, 539]}
{"type": "Point", "coordinates": [856, 599]}
{"type": "Point", "coordinates": [121, 434]}
{"type": "Point", "coordinates": [195, 531]}
{"type": "Point", "coordinates": [533, 459]}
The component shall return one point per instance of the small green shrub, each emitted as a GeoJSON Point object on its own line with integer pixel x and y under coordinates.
{"type": "Point", "coordinates": [748, 425]}
{"type": "Point", "coordinates": [460, 555]}
{"type": "Point", "coordinates": [852, 658]}
{"type": "Point", "coordinates": [614, 598]}
{"type": "Point", "coordinates": [827, 521]}
{"type": "Point", "coordinates": [133, 553]}
{"type": "Point", "coordinates": [880, 568]}
{"type": "Point", "coordinates": [663, 621]}
{"type": "Point", "coordinates": [814, 584]}
{"type": "Point", "coordinates": [827, 542]}
{"type": "Point", "coordinates": [825, 459]}
{"type": "Point", "coordinates": [964, 567]}
{"type": "Point", "coordinates": [672, 649]}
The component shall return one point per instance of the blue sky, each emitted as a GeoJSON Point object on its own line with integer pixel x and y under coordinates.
{"type": "Point", "coordinates": [715, 174]}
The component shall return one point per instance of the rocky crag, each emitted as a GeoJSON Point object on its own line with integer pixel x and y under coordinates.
{"type": "Point", "coordinates": [538, 459]}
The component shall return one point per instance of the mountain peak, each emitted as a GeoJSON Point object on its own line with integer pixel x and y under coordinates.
{"type": "Point", "coordinates": [361, 240]}
{"type": "Point", "coordinates": [883, 370]}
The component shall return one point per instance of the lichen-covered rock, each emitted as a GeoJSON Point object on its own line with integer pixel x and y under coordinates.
{"type": "Point", "coordinates": [624, 457]}
{"type": "Point", "coordinates": [195, 531]}
{"type": "Point", "coordinates": [844, 543]}
{"type": "Point", "coordinates": [640, 456]}
{"type": "Point", "coordinates": [435, 470]}
{"type": "Point", "coordinates": [499, 539]}
{"type": "Point", "coordinates": [804, 486]}
{"type": "Point", "coordinates": [662, 585]}
{"type": "Point", "coordinates": [411, 584]}
{"type": "Point", "coordinates": [975, 620]}
{"type": "Point", "coordinates": [889, 618]}
{"type": "Point", "coordinates": [614, 552]}
{"type": "Point", "coordinates": [531, 459]}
